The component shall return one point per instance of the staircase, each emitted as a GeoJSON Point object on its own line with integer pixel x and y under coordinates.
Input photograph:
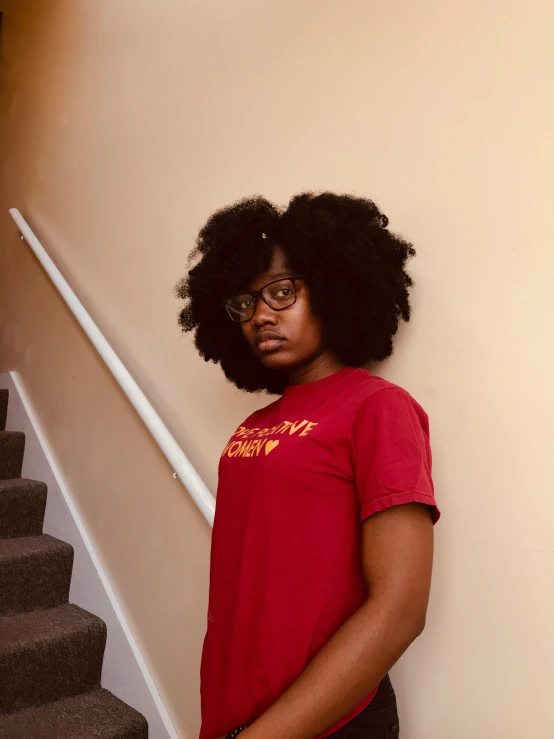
{"type": "Point", "coordinates": [51, 651]}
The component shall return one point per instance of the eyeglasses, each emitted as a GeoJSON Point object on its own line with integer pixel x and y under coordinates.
{"type": "Point", "coordinates": [278, 295]}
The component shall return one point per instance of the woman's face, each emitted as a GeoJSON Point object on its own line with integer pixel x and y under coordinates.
{"type": "Point", "coordinates": [288, 340]}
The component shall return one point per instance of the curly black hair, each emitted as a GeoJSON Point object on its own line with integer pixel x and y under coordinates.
{"type": "Point", "coordinates": [355, 268]}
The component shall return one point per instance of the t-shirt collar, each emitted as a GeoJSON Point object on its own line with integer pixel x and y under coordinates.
{"type": "Point", "coordinates": [295, 391]}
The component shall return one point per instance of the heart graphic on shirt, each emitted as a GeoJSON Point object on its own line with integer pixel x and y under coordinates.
{"type": "Point", "coordinates": [271, 445]}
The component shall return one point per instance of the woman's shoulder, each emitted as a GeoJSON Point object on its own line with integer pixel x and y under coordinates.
{"type": "Point", "coordinates": [368, 385]}
{"type": "Point", "coordinates": [371, 388]}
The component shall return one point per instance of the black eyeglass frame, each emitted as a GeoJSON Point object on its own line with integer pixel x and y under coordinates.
{"type": "Point", "coordinates": [259, 294]}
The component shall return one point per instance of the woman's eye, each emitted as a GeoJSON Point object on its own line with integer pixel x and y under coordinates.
{"type": "Point", "coordinates": [284, 292]}
{"type": "Point", "coordinates": [245, 304]}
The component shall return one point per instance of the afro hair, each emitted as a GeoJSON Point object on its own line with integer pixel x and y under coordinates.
{"type": "Point", "coordinates": [354, 265]}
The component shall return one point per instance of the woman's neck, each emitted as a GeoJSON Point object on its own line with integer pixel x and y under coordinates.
{"type": "Point", "coordinates": [318, 369]}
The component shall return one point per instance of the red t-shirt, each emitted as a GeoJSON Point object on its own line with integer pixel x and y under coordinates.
{"type": "Point", "coordinates": [295, 482]}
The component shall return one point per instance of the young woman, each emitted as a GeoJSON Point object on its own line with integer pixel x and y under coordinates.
{"type": "Point", "coordinates": [323, 537]}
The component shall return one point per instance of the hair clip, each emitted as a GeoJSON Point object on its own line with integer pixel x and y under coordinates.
{"type": "Point", "coordinates": [264, 236]}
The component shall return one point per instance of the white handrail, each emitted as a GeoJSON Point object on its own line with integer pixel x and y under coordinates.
{"type": "Point", "coordinates": [173, 452]}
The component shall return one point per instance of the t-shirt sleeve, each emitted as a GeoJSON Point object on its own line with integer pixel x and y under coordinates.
{"type": "Point", "coordinates": [392, 453]}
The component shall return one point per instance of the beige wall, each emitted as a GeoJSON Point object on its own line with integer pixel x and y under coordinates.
{"type": "Point", "coordinates": [124, 123]}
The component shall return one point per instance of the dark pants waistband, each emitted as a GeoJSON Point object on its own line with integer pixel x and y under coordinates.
{"type": "Point", "coordinates": [379, 720]}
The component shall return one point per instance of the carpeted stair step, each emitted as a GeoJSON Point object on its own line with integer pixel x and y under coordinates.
{"type": "Point", "coordinates": [12, 446]}
{"type": "Point", "coordinates": [3, 408]}
{"type": "Point", "coordinates": [22, 504]}
{"type": "Point", "coordinates": [94, 715]}
{"type": "Point", "coordinates": [51, 652]}
{"type": "Point", "coordinates": [48, 655]}
{"type": "Point", "coordinates": [35, 573]}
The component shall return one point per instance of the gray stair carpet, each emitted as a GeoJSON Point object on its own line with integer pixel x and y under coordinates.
{"type": "Point", "coordinates": [51, 651]}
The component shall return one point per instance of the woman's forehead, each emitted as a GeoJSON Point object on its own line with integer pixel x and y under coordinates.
{"type": "Point", "coordinates": [279, 267]}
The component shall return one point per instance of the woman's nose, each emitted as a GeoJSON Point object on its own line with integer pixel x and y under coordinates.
{"type": "Point", "coordinates": [263, 314]}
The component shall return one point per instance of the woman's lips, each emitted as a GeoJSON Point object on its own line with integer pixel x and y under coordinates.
{"type": "Point", "coordinates": [270, 345]}
{"type": "Point", "coordinates": [269, 341]}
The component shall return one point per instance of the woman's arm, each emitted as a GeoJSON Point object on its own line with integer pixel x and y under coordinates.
{"type": "Point", "coordinates": [397, 560]}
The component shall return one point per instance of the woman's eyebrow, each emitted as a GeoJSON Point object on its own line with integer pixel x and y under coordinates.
{"type": "Point", "coordinates": [278, 275]}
